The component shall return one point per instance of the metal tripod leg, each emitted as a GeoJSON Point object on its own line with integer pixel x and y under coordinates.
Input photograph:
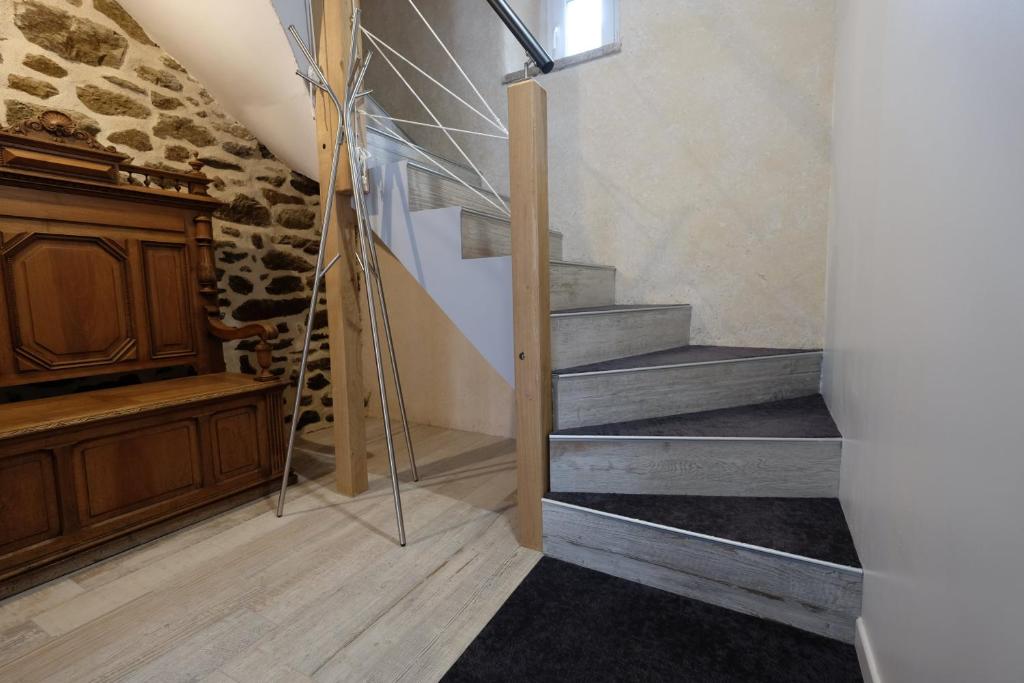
{"type": "Point", "coordinates": [365, 240]}
{"type": "Point", "coordinates": [391, 350]}
{"type": "Point", "coordinates": [325, 226]}
{"type": "Point", "coordinates": [370, 274]}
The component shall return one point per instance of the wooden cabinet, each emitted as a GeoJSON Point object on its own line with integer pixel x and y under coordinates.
{"type": "Point", "coordinates": [106, 271]}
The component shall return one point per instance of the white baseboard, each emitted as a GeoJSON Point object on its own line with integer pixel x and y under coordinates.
{"type": "Point", "coordinates": [866, 654]}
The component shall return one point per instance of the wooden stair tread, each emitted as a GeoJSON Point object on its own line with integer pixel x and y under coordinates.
{"type": "Point", "coordinates": [683, 355]}
{"type": "Point", "coordinates": [814, 528]}
{"type": "Point", "coordinates": [806, 417]}
{"type": "Point", "coordinates": [38, 415]}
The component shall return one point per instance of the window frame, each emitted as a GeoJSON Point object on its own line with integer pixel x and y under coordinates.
{"type": "Point", "coordinates": [555, 27]}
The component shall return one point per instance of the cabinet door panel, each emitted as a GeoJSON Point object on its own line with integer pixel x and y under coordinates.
{"type": "Point", "coordinates": [135, 469]}
{"type": "Point", "coordinates": [168, 300]}
{"type": "Point", "coordinates": [235, 443]}
{"type": "Point", "coordinates": [28, 500]}
{"type": "Point", "coordinates": [69, 301]}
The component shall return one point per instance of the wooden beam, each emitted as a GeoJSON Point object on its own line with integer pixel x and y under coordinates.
{"type": "Point", "coordinates": [333, 20]}
{"type": "Point", "coordinates": [531, 305]}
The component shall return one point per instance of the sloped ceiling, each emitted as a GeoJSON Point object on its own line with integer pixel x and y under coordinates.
{"type": "Point", "coordinates": [239, 51]}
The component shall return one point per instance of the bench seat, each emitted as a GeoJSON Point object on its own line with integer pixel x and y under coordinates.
{"type": "Point", "coordinates": [40, 415]}
{"type": "Point", "coordinates": [85, 475]}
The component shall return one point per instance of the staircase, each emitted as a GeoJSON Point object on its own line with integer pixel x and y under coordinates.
{"type": "Point", "coordinates": [710, 472]}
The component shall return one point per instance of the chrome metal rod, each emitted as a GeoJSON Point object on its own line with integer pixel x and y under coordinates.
{"type": "Point", "coordinates": [431, 125]}
{"type": "Point", "coordinates": [330, 264]}
{"type": "Point", "coordinates": [364, 239]}
{"type": "Point", "coordinates": [386, 317]}
{"type": "Point", "coordinates": [325, 226]}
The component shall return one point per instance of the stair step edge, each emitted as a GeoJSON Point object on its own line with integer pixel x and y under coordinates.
{"type": "Point", "coordinates": [499, 217]}
{"type": "Point", "coordinates": [571, 372]}
{"type": "Point", "coordinates": [848, 569]}
{"type": "Point", "coordinates": [643, 437]}
{"type": "Point", "coordinates": [617, 308]}
{"type": "Point", "coordinates": [577, 264]}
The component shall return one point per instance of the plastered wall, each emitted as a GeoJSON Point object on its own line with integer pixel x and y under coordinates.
{"type": "Point", "coordinates": [923, 369]}
{"type": "Point", "coordinates": [696, 161]}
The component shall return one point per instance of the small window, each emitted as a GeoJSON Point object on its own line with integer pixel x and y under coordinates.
{"type": "Point", "coordinates": [578, 26]}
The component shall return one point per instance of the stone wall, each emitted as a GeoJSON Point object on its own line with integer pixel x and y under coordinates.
{"type": "Point", "coordinates": [92, 61]}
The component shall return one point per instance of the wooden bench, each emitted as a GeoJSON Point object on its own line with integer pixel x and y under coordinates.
{"type": "Point", "coordinates": [108, 276]}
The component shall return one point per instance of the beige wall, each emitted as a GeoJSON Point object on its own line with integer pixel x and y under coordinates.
{"type": "Point", "coordinates": [923, 367]}
{"type": "Point", "coordinates": [696, 161]}
{"type": "Point", "coordinates": [445, 379]}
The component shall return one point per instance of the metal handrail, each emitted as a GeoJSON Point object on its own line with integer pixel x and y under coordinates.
{"type": "Point", "coordinates": [529, 42]}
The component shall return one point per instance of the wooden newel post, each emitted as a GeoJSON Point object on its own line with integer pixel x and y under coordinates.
{"type": "Point", "coordinates": [531, 305]}
{"type": "Point", "coordinates": [341, 286]}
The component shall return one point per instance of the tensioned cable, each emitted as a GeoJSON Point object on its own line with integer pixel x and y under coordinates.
{"type": "Point", "coordinates": [431, 125]}
{"type": "Point", "coordinates": [433, 80]}
{"type": "Point", "coordinates": [426, 155]}
{"type": "Point", "coordinates": [446, 133]}
{"type": "Point", "coordinates": [457, 65]}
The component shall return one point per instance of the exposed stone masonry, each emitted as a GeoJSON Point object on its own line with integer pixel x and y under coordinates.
{"type": "Point", "coordinates": [92, 61]}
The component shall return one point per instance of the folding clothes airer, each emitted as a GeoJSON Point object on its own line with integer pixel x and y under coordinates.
{"type": "Point", "coordinates": [347, 133]}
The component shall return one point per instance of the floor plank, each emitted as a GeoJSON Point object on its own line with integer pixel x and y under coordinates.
{"type": "Point", "coordinates": [325, 593]}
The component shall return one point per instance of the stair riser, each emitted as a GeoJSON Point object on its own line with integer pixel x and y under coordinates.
{"type": "Point", "coordinates": [813, 596]}
{"type": "Point", "coordinates": [386, 151]}
{"type": "Point", "coordinates": [599, 398]}
{"type": "Point", "coordinates": [698, 467]}
{"type": "Point", "coordinates": [574, 286]}
{"type": "Point", "coordinates": [428, 190]}
{"type": "Point", "coordinates": [595, 337]}
{"type": "Point", "coordinates": [486, 236]}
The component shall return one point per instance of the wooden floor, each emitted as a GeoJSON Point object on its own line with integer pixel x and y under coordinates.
{"type": "Point", "coordinates": [323, 594]}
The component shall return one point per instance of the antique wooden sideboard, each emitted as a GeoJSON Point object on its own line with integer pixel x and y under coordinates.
{"type": "Point", "coordinates": [108, 280]}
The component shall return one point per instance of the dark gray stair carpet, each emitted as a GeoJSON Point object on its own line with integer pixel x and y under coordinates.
{"type": "Point", "coordinates": [567, 623]}
{"type": "Point", "coordinates": [680, 356]}
{"type": "Point", "coordinates": [806, 417]}
{"type": "Point", "coordinates": [809, 527]}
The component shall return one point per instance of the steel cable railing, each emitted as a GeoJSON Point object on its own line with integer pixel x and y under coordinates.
{"type": "Point", "coordinates": [348, 133]}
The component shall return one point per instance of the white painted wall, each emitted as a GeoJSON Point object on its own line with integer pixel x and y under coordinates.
{"type": "Point", "coordinates": [924, 369]}
{"type": "Point", "coordinates": [240, 52]}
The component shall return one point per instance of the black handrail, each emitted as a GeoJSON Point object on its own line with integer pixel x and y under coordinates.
{"type": "Point", "coordinates": [529, 42]}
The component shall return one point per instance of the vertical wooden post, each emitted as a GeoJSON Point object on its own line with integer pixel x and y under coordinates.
{"type": "Point", "coordinates": [531, 305]}
{"type": "Point", "coordinates": [333, 25]}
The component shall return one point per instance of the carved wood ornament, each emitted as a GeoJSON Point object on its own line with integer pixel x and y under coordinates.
{"type": "Point", "coordinates": [56, 126]}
